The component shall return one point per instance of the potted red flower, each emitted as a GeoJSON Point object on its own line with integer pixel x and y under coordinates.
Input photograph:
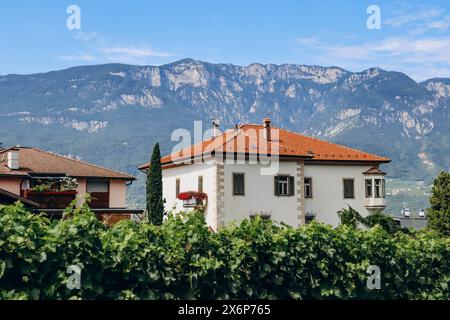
{"type": "Point", "coordinates": [193, 199]}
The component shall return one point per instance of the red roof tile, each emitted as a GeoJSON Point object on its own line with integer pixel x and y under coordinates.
{"type": "Point", "coordinates": [248, 139]}
{"type": "Point", "coordinates": [35, 161]}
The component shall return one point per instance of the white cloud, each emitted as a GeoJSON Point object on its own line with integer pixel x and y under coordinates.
{"type": "Point", "coordinates": [97, 48]}
{"type": "Point", "coordinates": [83, 57]}
{"type": "Point", "coordinates": [420, 58]}
{"type": "Point", "coordinates": [441, 24]}
{"type": "Point", "coordinates": [86, 36]}
{"type": "Point", "coordinates": [417, 19]}
{"type": "Point", "coordinates": [135, 52]}
{"type": "Point", "coordinates": [413, 15]}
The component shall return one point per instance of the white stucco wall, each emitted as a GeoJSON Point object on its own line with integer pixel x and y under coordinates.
{"type": "Point", "coordinates": [188, 176]}
{"type": "Point", "coordinates": [327, 200]}
{"type": "Point", "coordinates": [328, 191]}
{"type": "Point", "coordinates": [117, 194]}
{"type": "Point", "coordinates": [259, 194]}
{"type": "Point", "coordinates": [11, 184]}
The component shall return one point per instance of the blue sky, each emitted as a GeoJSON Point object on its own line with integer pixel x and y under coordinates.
{"type": "Point", "coordinates": [414, 37]}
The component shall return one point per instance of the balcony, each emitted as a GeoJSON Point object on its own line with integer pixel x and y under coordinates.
{"type": "Point", "coordinates": [375, 203]}
{"type": "Point", "coordinates": [51, 199]}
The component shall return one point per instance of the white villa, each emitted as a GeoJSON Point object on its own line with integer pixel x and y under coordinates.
{"type": "Point", "coordinates": [253, 170]}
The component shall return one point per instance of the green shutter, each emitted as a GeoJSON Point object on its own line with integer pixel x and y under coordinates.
{"type": "Point", "coordinates": [291, 186]}
{"type": "Point", "coordinates": [276, 179]}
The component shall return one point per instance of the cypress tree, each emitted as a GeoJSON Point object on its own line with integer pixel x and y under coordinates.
{"type": "Point", "coordinates": [439, 213]}
{"type": "Point", "coordinates": [155, 205]}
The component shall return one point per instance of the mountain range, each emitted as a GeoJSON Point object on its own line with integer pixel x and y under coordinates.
{"type": "Point", "coordinates": [113, 114]}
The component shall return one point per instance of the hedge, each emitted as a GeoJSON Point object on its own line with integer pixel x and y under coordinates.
{"type": "Point", "coordinates": [182, 259]}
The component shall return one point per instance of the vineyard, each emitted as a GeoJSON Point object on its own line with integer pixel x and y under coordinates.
{"type": "Point", "coordinates": [182, 259]}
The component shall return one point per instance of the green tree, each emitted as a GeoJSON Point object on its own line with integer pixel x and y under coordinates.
{"type": "Point", "coordinates": [439, 213]}
{"type": "Point", "coordinates": [155, 205]}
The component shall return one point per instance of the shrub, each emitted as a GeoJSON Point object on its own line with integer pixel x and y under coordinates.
{"type": "Point", "coordinates": [182, 259]}
{"type": "Point", "coordinates": [386, 222]}
{"type": "Point", "coordinates": [351, 218]}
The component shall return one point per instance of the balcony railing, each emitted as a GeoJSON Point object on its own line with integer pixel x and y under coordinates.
{"type": "Point", "coordinates": [51, 199]}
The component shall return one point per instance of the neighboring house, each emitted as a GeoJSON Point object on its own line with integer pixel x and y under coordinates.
{"type": "Point", "coordinates": [417, 223]}
{"type": "Point", "coordinates": [312, 179]}
{"type": "Point", "coordinates": [48, 183]}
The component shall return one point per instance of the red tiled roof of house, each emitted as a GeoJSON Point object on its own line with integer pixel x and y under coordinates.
{"type": "Point", "coordinates": [38, 162]}
{"type": "Point", "coordinates": [245, 140]}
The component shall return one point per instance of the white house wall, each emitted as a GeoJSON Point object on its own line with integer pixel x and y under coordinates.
{"type": "Point", "coordinates": [188, 176]}
{"type": "Point", "coordinates": [259, 194]}
{"type": "Point", "coordinates": [327, 200]}
{"type": "Point", "coordinates": [328, 191]}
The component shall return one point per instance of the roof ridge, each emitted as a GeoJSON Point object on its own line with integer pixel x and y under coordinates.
{"type": "Point", "coordinates": [81, 161]}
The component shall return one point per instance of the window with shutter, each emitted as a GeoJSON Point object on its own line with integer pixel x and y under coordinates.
{"type": "Point", "coordinates": [238, 184]}
{"type": "Point", "coordinates": [291, 190]}
{"type": "Point", "coordinates": [378, 188]}
{"type": "Point", "coordinates": [284, 186]}
{"type": "Point", "coordinates": [276, 179]}
{"type": "Point", "coordinates": [349, 188]}
{"type": "Point", "coordinates": [308, 188]}
{"type": "Point", "coordinates": [369, 188]}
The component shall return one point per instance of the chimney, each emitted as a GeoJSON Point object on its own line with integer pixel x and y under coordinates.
{"type": "Point", "coordinates": [216, 124]}
{"type": "Point", "coordinates": [267, 134]}
{"type": "Point", "coordinates": [13, 160]}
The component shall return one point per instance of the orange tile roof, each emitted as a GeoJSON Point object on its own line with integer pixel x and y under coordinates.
{"type": "Point", "coordinates": [248, 139]}
{"type": "Point", "coordinates": [38, 162]}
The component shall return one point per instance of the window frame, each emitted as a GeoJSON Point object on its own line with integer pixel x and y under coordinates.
{"type": "Point", "coordinates": [371, 188]}
{"type": "Point", "coordinates": [283, 185]}
{"type": "Point", "coordinates": [290, 185]}
{"type": "Point", "coordinates": [234, 193]}
{"type": "Point", "coordinates": [378, 187]}
{"type": "Point", "coordinates": [353, 187]}
{"type": "Point", "coordinates": [310, 187]}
